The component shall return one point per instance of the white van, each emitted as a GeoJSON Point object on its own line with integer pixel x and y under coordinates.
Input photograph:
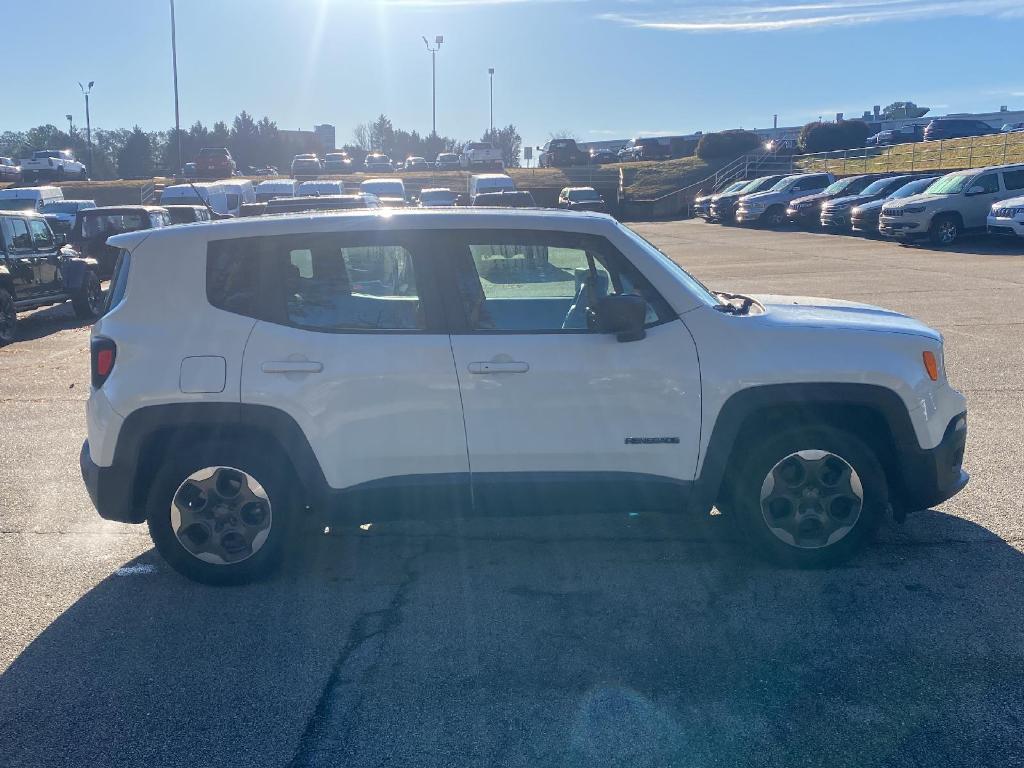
{"type": "Point", "coordinates": [490, 182]}
{"type": "Point", "coordinates": [308, 188]}
{"type": "Point", "coordinates": [238, 191]}
{"type": "Point", "coordinates": [271, 188]}
{"type": "Point", "coordinates": [199, 193]}
{"type": "Point", "coordinates": [390, 192]}
{"type": "Point", "coordinates": [29, 198]}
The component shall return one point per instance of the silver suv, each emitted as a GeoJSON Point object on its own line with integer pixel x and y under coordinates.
{"type": "Point", "coordinates": [958, 202]}
{"type": "Point", "coordinates": [769, 207]}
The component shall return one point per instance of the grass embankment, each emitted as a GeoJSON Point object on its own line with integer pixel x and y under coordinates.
{"type": "Point", "coordinates": [948, 155]}
{"type": "Point", "coordinates": [650, 180]}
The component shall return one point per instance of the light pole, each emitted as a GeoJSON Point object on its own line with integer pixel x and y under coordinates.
{"type": "Point", "coordinates": [71, 125]}
{"type": "Point", "coordinates": [433, 76]}
{"type": "Point", "coordinates": [174, 66]}
{"type": "Point", "coordinates": [88, 122]}
{"type": "Point", "coordinates": [490, 72]}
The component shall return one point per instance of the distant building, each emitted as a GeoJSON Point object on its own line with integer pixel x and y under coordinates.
{"type": "Point", "coordinates": [325, 133]}
{"type": "Point", "coordinates": [320, 140]}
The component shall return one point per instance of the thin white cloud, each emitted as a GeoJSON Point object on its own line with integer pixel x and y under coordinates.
{"type": "Point", "coordinates": [760, 16]}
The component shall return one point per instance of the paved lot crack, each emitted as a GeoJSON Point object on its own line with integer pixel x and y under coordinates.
{"type": "Point", "coordinates": [369, 626]}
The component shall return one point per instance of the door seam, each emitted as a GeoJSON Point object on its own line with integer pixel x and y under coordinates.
{"type": "Point", "coordinates": [465, 431]}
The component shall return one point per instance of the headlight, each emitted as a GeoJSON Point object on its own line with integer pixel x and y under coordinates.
{"type": "Point", "coordinates": [914, 209]}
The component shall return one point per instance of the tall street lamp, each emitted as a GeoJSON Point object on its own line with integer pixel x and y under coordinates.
{"type": "Point", "coordinates": [88, 122]}
{"type": "Point", "coordinates": [490, 72]}
{"type": "Point", "coordinates": [174, 65]}
{"type": "Point", "coordinates": [433, 76]}
{"type": "Point", "coordinates": [71, 125]}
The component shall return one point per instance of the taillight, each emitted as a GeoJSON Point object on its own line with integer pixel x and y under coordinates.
{"type": "Point", "coordinates": [103, 353]}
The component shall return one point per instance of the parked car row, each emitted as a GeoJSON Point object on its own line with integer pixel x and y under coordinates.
{"type": "Point", "coordinates": [917, 206]}
{"type": "Point", "coordinates": [938, 129]}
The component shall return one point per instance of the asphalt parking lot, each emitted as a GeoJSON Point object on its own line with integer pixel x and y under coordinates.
{"type": "Point", "coordinates": [563, 641]}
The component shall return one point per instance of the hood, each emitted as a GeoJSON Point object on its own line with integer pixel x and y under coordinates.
{"type": "Point", "coordinates": [766, 195]}
{"type": "Point", "coordinates": [588, 205]}
{"type": "Point", "coordinates": [851, 199]}
{"type": "Point", "coordinates": [806, 311]}
{"type": "Point", "coordinates": [914, 199]}
{"type": "Point", "coordinates": [810, 198]}
{"type": "Point", "coordinates": [874, 204]}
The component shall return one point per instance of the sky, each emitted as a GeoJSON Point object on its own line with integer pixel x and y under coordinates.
{"type": "Point", "coordinates": [599, 69]}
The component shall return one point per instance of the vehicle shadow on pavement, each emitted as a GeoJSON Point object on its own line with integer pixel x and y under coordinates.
{"type": "Point", "coordinates": [44, 322]}
{"type": "Point", "coordinates": [568, 641]}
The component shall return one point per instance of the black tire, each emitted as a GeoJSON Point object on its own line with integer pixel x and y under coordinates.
{"type": "Point", "coordinates": [945, 230]}
{"type": "Point", "coordinates": [752, 477]}
{"type": "Point", "coordinates": [266, 468]}
{"type": "Point", "coordinates": [88, 299]}
{"type": "Point", "coordinates": [774, 216]}
{"type": "Point", "coordinates": [8, 318]}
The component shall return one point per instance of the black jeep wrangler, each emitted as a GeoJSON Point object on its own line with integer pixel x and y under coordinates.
{"type": "Point", "coordinates": [36, 271]}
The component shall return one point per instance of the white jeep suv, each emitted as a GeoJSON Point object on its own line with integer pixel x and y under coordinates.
{"type": "Point", "coordinates": [367, 365]}
{"type": "Point", "coordinates": [957, 203]}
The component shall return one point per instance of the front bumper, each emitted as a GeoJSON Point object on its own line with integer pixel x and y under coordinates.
{"type": "Point", "coordinates": [804, 217]}
{"type": "Point", "coordinates": [832, 219]}
{"type": "Point", "coordinates": [723, 211]}
{"type": "Point", "coordinates": [110, 489]}
{"type": "Point", "coordinates": [1005, 227]}
{"type": "Point", "coordinates": [900, 227]}
{"type": "Point", "coordinates": [933, 475]}
{"type": "Point", "coordinates": [748, 216]}
{"type": "Point", "coordinates": [864, 224]}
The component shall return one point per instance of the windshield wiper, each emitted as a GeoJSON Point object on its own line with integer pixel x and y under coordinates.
{"type": "Point", "coordinates": [735, 304]}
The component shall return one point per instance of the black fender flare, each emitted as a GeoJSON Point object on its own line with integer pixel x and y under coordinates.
{"type": "Point", "coordinates": [74, 270]}
{"type": "Point", "coordinates": [808, 402]}
{"type": "Point", "coordinates": [149, 432]}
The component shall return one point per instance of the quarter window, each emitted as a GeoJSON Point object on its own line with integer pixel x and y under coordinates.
{"type": "Point", "coordinates": [1014, 179]}
{"type": "Point", "coordinates": [20, 238]}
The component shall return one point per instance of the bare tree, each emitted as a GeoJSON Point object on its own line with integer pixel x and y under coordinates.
{"type": "Point", "coordinates": [563, 133]}
{"type": "Point", "coordinates": [361, 136]}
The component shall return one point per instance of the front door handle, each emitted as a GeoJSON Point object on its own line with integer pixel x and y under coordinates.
{"type": "Point", "coordinates": [502, 367]}
{"type": "Point", "coordinates": [292, 366]}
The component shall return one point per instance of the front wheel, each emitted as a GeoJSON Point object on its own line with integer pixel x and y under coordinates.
{"type": "Point", "coordinates": [219, 515]}
{"type": "Point", "coordinates": [945, 230]}
{"type": "Point", "coordinates": [809, 497]}
{"type": "Point", "coordinates": [88, 299]}
{"type": "Point", "coordinates": [775, 216]}
{"type": "Point", "coordinates": [8, 318]}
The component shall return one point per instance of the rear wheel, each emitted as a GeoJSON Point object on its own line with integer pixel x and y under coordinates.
{"type": "Point", "coordinates": [809, 497]}
{"type": "Point", "coordinates": [88, 299]}
{"type": "Point", "coordinates": [945, 230]}
{"type": "Point", "coordinates": [220, 515]}
{"type": "Point", "coordinates": [8, 318]}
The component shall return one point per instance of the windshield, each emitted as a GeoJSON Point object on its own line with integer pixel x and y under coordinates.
{"type": "Point", "coordinates": [913, 188]}
{"type": "Point", "coordinates": [950, 184]}
{"type": "Point", "coordinates": [877, 187]}
{"type": "Point", "coordinates": [66, 207]}
{"type": "Point", "coordinates": [45, 154]}
{"type": "Point", "coordinates": [696, 287]}
{"type": "Point", "coordinates": [838, 186]}
{"type": "Point", "coordinates": [784, 184]}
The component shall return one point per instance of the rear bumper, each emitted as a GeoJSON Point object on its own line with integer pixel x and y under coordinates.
{"type": "Point", "coordinates": [109, 489]}
{"type": "Point", "coordinates": [933, 475]}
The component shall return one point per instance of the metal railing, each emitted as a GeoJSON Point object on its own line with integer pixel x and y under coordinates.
{"type": "Point", "coordinates": [147, 192]}
{"type": "Point", "coordinates": [944, 155]}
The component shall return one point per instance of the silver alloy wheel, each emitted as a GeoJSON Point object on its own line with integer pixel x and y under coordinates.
{"type": "Point", "coordinates": [811, 499]}
{"type": "Point", "coordinates": [947, 232]}
{"type": "Point", "coordinates": [221, 515]}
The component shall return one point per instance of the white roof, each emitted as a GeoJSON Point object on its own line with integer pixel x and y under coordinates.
{"type": "Point", "coordinates": [380, 218]}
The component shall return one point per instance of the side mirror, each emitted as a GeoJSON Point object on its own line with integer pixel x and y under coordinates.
{"type": "Point", "coordinates": [975, 191]}
{"type": "Point", "coordinates": [622, 314]}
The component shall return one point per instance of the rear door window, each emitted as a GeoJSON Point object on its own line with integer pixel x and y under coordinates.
{"type": "Point", "coordinates": [1014, 180]}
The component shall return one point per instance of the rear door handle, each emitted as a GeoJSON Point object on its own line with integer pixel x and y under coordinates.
{"type": "Point", "coordinates": [504, 367]}
{"type": "Point", "coordinates": [292, 366]}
